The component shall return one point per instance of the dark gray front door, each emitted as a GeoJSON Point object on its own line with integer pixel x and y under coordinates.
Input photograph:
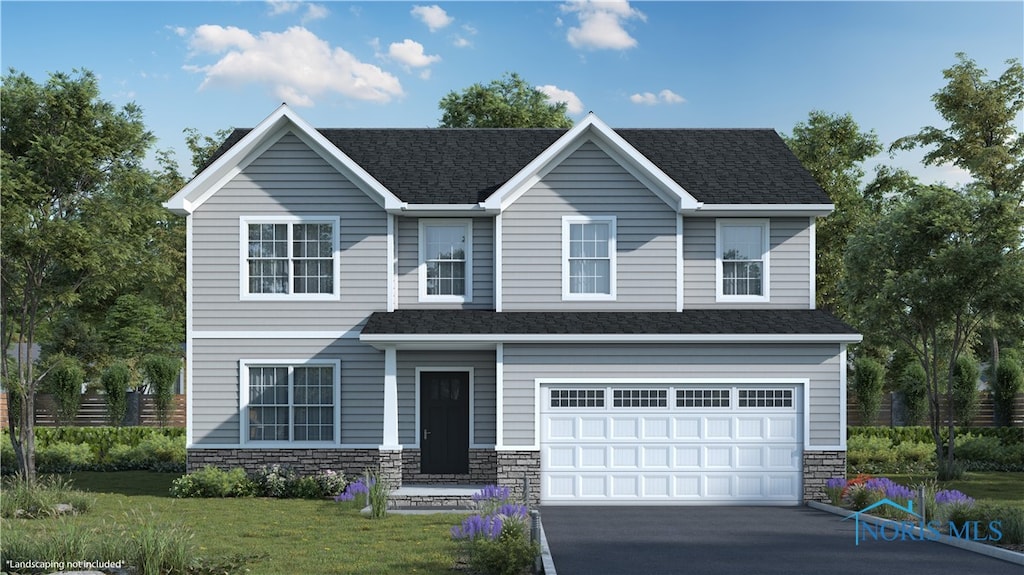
{"type": "Point", "coordinates": [444, 422]}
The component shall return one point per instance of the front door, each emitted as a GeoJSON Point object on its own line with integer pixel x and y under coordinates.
{"type": "Point", "coordinates": [444, 422]}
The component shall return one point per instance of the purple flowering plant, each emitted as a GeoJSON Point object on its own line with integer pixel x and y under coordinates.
{"type": "Point", "coordinates": [834, 488]}
{"type": "Point", "coordinates": [953, 497]}
{"type": "Point", "coordinates": [353, 489]}
{"type": "Point", "coordinates": [496, 538]}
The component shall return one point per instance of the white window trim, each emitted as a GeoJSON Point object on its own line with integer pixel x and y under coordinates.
{"type": "Point", "coordinates": [765, 272]}
{"type": "Point", "coordinates": [243, 256]}
{"type": "Point", "coordinates": [243, 400]}
{"type": "Point", "coordinates": [424, 223]}
{"type": "Point", "coordinates": [567, 221]}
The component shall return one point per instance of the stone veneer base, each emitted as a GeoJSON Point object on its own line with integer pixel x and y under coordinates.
{"type": "Point", "coordinates": [482, 469]}
{"type": "Point", "coordinates": [819, 466]}
{"type": "Point", "coordinates": [519, 470]}
{"type": "Point", "coordinates": [302, 461]}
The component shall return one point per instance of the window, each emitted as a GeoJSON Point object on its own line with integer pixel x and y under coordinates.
{"type": "Point", "coordinates": [446, 265]}
{"type": "Point", "coordinates": [292, 258]}
{"type": "Point", "coordinates": [702, 398]}
{"type": "Point", "coordinates": [588, 257]}
{"type": "Point", "coordinates": [295, 403]}
{"type": "Point", "coordinates": [639, 398]}
{"type": "Point", "coordinates": [742, 260]}
{"type": "Point", "coordinates": [765, 398]}
{"type": "Point", "coordinates": [577, 398]}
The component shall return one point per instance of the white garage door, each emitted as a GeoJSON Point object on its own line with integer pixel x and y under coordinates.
{"type": "Point", "coordinates": [675, 444]}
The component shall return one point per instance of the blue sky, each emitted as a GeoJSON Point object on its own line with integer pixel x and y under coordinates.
{"type": "Point", "coordinates": [213, 65]}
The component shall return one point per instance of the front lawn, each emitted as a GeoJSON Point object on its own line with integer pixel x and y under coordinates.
{"type": "Point", "coordinates": [290, 535]}
{"type": "Point", "coordinates": [997, 487]}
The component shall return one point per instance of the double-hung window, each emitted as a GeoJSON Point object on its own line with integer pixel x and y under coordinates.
{"type": "Point", "coordinates": [289, 257]}
{"type": "Point", "coordinates": [290, 402]}
{"type": "Point", "coordinates": [742, 260]}
{"type": "Point", "coordinates": [446, 260]}
{"type": "Point", "coordinates": [588, 257]}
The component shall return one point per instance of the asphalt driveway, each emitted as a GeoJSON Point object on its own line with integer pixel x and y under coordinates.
{"type": "Point", "coordinates": [738, 540]}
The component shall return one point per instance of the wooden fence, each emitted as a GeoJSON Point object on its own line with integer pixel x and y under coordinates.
{"type": "Point", "coordinates": [984, 418]}
{"type": "Point", "coordinates": [93, 411]}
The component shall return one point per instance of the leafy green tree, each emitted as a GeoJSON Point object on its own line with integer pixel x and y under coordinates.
{"type": "Point", "coordinates": [965, 389]}
{"type": "Point", "coordinates": [868, 378]}
{"type": "Point", "coordinates": [1008, 383]}
{"type": "Point", "coordinates": [204, 147]}
{"type": "Point", "coordinates": [64, 381]}
{"type": "Point", "coordinates": [926, 274]}
{"type": "Point", "coordinates": [833, 149]}
{"type": "Point", "coordinates": [911, 384]}
{"type": "Point", "coordinates": [510, 102]}
{"type": "Point", "coordinates": [115, 380]}
{"type": "Point", "coordinates": [70, 230]}
{"type": "Point", "coordinates": [161, 373]}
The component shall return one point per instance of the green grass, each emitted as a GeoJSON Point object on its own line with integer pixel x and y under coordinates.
{"type": "Point", "coordinates": [292, 535]}
{"type": "Point", "coordinates": [998, 487]}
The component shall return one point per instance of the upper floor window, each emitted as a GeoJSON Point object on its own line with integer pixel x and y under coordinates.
{"type": "Point", "coordinates": [446, 264]}
{"type": "Point", "coordinates": [289, 257]}
{"type": "Point", "coordinates": [742, 260]}
{"type": "Point", "coordinates": [588, 257]}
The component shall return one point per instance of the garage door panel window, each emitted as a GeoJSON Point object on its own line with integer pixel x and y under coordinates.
{"type": "Point", "coordinates": [765, 398]}
{"type": "Point", "coordinates": [577, 398]}
{"type": "Point", "coordinates": [702, 397]}
{"type": "Point", "coordinates": [640, 398]}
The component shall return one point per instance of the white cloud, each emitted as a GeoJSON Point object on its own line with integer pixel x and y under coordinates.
{"type": "Point", "coordinates": [601, 24]}
{"type": "Point", "coordinates": [178, 30]}
{"type": "Point", "coordinates": [295, 64]}
{"type": "Point", "coordinates": [665, 96]}
{"type": "Point", "coordinates": [315, 12]}
{"type": "Point", "coordinates": [469, 29]}
{"type": "Point", "coordinates": [573, 104]}
{"type": "Point", "coordinates": [433, 16]}
{"type": "Point", "coordinates": [410, 53]}
{"type": "Point", "coordinates": [278, 7]}
{"type": "Point", "coordinates": [461, 42]}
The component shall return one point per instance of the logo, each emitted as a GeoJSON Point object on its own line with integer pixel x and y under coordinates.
{"type": "Point", "coordinates": [917, 529]}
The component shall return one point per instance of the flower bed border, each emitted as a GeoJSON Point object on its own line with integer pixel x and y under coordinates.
{"type": "Point", "coordinates": [972, 546]}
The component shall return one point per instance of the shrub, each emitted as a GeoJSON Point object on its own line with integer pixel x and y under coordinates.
{"type": "Point", "coordinates": [965, 389]}
{"type": "Point", "coordinates": [915, 399]}
{"type": "Point", "coordinates": [868, 377]}
{"type": "Point", "coordinates": [40, 499]}
{"type": "Point", "coordinates": [282, 482]}
{"type": "Point", "coordinates": [1008, 382]}
{"type": "Point", "coordinates": [63, 457]}
{"type": "Point", "coordinates": [8, 461]}
{"type": "Point", "coordinates": [497, 540]}
{"type": "Point", "coordinates": [162, 373]}
{"type": "Point", "coordinates": [861, 450]}
{"type": "Point", "coordinates": [65, 383]}
{"type": "Point", "coordinates": [158, 453]}
{"type": "Point", "coordinates": [116, 379]}
{"type": "Point", "coordinates": [213, 482]}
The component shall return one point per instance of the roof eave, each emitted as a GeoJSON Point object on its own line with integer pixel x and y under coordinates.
{"type": "Point", "coordinates": [755, 210]}
{"type": "Point", "coordinates": [381, 341]}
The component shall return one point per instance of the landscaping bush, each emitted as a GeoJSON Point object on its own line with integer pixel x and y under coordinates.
{"type": "Point", "coordinates": [497, 539]}
{"type": "Point", "coordinates": [40, 499]}
{"type": "Point", "coordinates": [965, 389]}
{"type": "Point", "coordinates": [63, 457]}
{"type": "Point", "coordinates": [915, 396]}
{"type": "Point", "coordinates": [64, 382]}
{"type": "Point", "coordinates": [1008, 382]}
{"type": "Point", "coordinates": [213, 482]}
{"type": "Point", "coordinates": [158, 453]}
{"type": "Point", "coordinates": [8, 461]}
{"type": "Point", "coordinates": [162, 373]}
{"type": "Point", "coordinates": [115, 380]}
{"type": "Point", "coordinates": [868, 377]}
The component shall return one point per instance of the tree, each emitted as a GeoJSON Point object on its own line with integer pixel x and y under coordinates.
{"type": "Point", "coordinates": [115, 380]}
{"type": "Point", "coordinates": [965, 389]}
{"type": "Point", "coordinates": [65, 383]}
{"type": "Point", "coordinates": [1009, 381]}
{"type": "Point", "coordinates": [161, 372]}
{"type": "Point", "coordinates": [833, 149]}
{"type": "Point", "coordinates": [69, 231]}
{"type": "Point", "coordinates": [204, 147]}
{"type": "Point", "coordinates": [983, 138]}
{"type": "Point", "coordinates": [506, 103]}
{"type": "Point", "coordinates": [925, 274]}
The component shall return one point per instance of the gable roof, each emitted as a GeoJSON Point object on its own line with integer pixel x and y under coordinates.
{"type": "Point", "coordinates": [713, 167]}
{"type": "Point", "coordinates": [703, 325]}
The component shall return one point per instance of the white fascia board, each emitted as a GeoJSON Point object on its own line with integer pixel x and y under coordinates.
{"type": "Point", "coordinates": [444, 210]}
{"type": "Point", "coordinates": [593, 126]}
{"type": "Point", "coordinates": [200, 188]}
{"type": "Point", "coordinates": [762, 210]}
{"type": "Point", "coordinates": [415, 339]}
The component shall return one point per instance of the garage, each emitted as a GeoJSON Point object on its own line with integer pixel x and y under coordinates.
{"type": "Point", "coordinates": [678, 444]}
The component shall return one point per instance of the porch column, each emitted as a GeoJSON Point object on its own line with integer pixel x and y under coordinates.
{"type": "Point", "coordinates": [390, 399]}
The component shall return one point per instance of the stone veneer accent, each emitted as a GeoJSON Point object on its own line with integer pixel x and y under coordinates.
{"type": "Point", "coordinates": [513, 467]}
{"type": "Point", "coordinates": [391, 467]}
{"type": "Point", "coordinates": [482, 469]}
{"type": "Point", "coordinates": [303, 461]}
{"type": "Point", "coordinates": [819, 466]}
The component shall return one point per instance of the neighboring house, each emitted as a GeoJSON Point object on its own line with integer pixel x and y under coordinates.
{"type": "Point", "coordinates": [619, 316]}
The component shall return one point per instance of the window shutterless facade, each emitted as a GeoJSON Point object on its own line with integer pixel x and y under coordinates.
{"type": "Point", "coordinates": [290, 402]}
{"type": "Point", "coordinates": [588, 258]}
{"type": "Point", "coordinates": [741, 260]}
{"type": "Point", "coordinates": [446, 260]}
{"type": "Point", "coordinates": [289, 258]}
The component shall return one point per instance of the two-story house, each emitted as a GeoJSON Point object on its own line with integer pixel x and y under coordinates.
{"type": "Point", "coordinates": [621, 316]}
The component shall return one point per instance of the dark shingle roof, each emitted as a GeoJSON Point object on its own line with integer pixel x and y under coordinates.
{"type": "Point", "coordinates": [465, 166]}
{"type": "Point", "coordinates": [699, 322]}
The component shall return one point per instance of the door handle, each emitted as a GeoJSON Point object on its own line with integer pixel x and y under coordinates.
{"type": "Point", "coordinates": [426, 433]}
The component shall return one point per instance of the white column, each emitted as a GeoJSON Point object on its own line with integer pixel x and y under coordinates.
{"type": "Point", "coordinates": [390, 399]}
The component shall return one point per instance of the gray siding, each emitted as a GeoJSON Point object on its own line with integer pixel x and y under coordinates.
{"type": "Point", "coordinates": [287, 179]}
{"type": "Point", "coordinates": [483, 364]}
{"type": "Point", "coordinates": [215, 388]}
{"type": "Point", "coordinates": [589, 182]}
{"type": "Point", "coordinates": [409, 260]}
{"type": "Point", "coordinates": [789, 262]}
{"type": "Point", "coordinates": [819, 363]}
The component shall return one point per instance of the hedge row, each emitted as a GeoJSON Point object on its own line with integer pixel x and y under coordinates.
{"type": "Point", "coordinates": [64, 449]}
{"type": "Point", "coordinates": [923, 434]}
